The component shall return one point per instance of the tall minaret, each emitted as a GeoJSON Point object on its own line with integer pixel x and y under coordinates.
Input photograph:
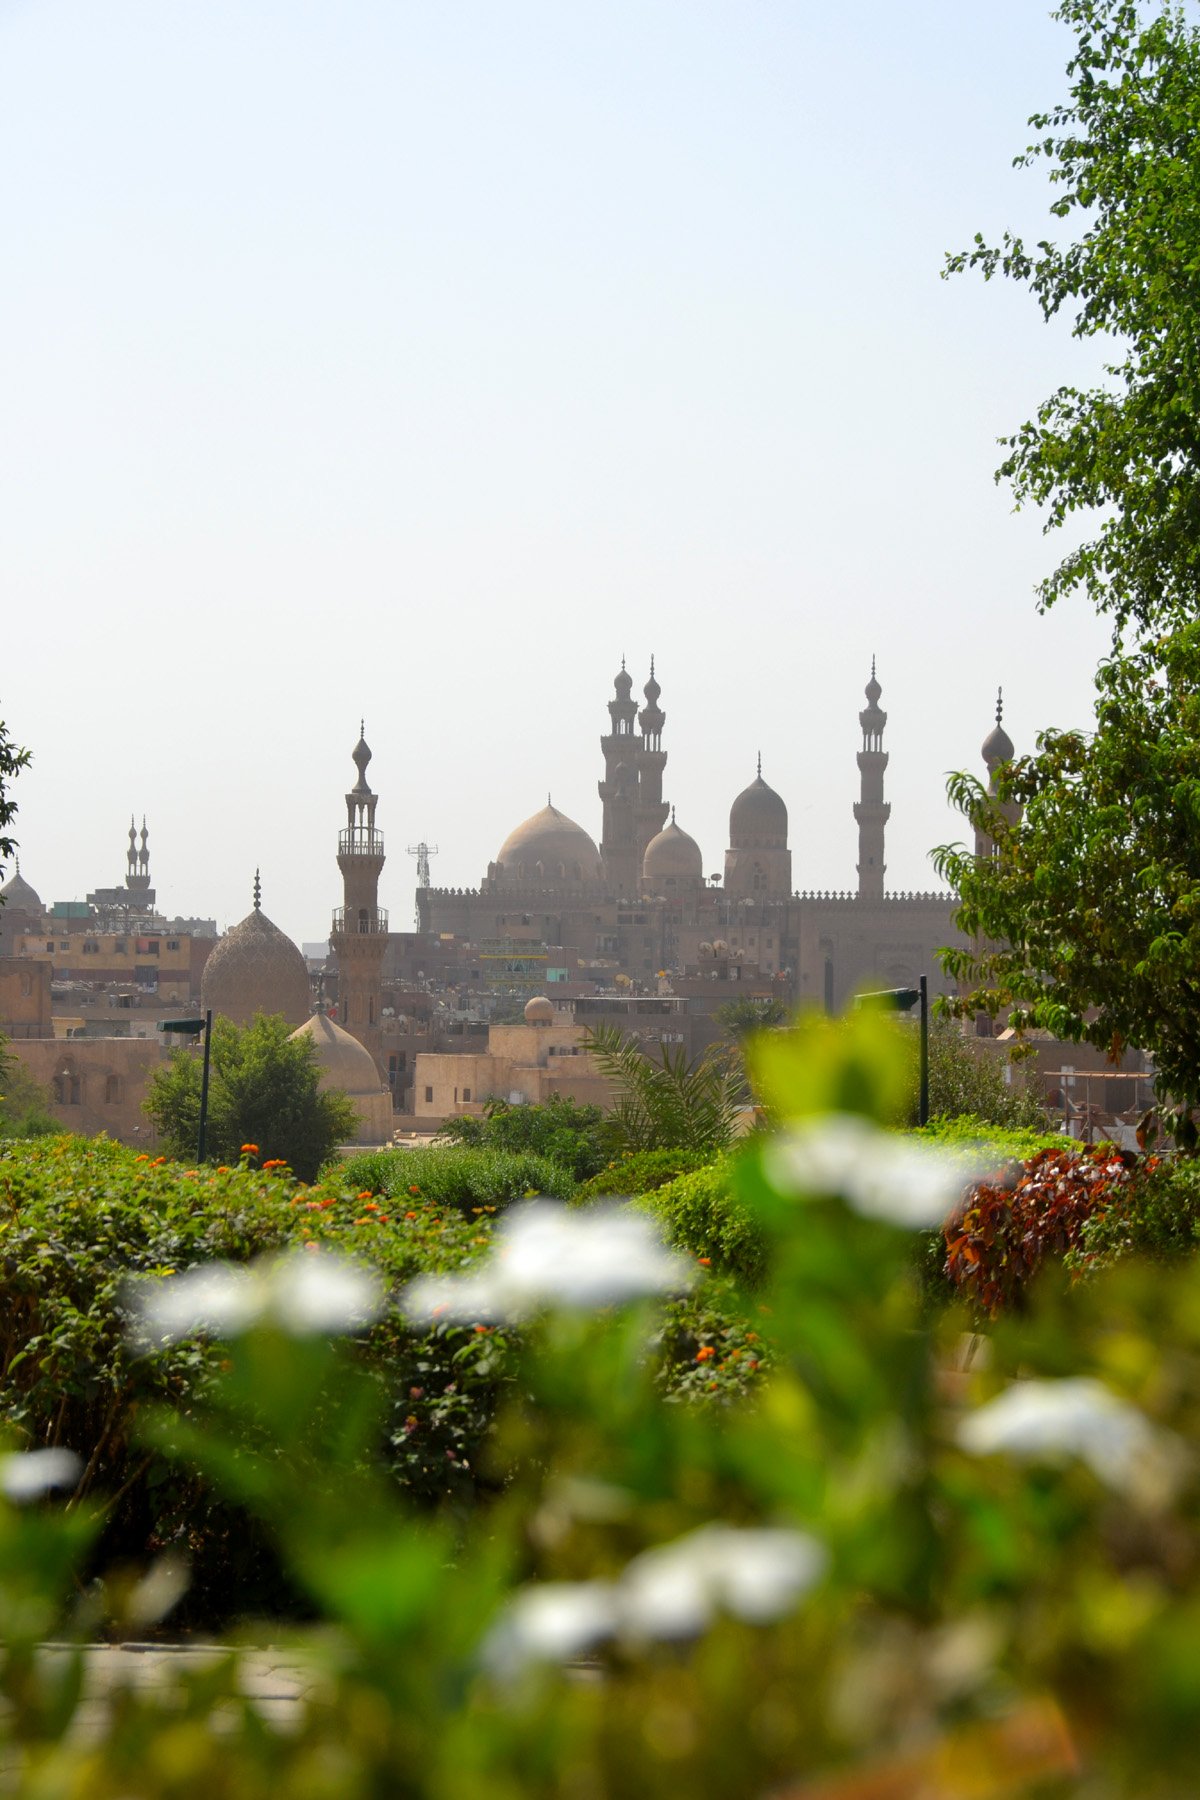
{"type": "Point", "coordinates": [871, 811]}
{"type": "Point", "coordinates": [652, 809]}
{"type": "Point", "coordinates": [359, 935]}
{"type": "Point", "coordinates": [618, 790]}
{"type": "Point", "coordinates": [138, 878]}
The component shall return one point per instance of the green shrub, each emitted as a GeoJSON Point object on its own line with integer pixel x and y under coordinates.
{"type": "Point", "coordinates": [965, 1080]}
{"type": "Point", "coordinates": [1157, 1215]}
{"type": "Point", "coordinates": [976, 1136]}
{"type": "Point", "coordinates": [701, 1212]}
{"type": "Point", "coordinates": [640, 1172]}
{"type": "Point", "coordinates": [78, 1217]}
{"type": "Point", "coordinates": [561, 1129]}
{"type": "Point", "coordinates": [456, 1175]}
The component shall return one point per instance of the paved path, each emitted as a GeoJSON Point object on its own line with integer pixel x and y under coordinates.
{"type": "Point", "coordinates": [277, 1681]}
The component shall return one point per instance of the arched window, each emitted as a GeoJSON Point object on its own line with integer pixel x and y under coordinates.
{"type": "Point", "coordinates": [364, 919]}
{"type": "Point", "coordinates": [113, 1090]}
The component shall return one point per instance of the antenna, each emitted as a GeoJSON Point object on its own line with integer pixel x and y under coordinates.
{"type": "Point", "coordinates": [422, 852]}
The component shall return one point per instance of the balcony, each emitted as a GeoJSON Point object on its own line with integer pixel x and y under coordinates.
{"type": "Point", "coordinates": [360, 841]}
{"type": "Point", "coordinates": [360, 921]}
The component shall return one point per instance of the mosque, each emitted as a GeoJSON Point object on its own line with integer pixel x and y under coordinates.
{"type": "Point", "coordinates": [638, 902]}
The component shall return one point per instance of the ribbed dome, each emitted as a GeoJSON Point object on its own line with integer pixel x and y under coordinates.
{"type": "Point", "coordinates": [758, 819]}
{"type": "Point", "coordinates": [344, 1062]}
{"type": "Point", "coordinates": [256, 968]}
{"type": "Point", "coordinates": [673, 854]}
{"type": "Point", "coordinates": [17, 892]}
{"type": "Point", "coordinates": [550, 849]}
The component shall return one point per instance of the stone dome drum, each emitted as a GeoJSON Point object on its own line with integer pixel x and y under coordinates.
{"type": "Point", "coordinates": [549, 850]}
{"type": "Point", "coordinates": [758, 819]}
{"type": "Point", "coordinates": [256, 968]}
{"type": "Point", "coordinates": [673, 855]}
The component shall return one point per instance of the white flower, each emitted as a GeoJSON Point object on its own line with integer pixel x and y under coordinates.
{"type": "Point", "coordinates": [881, 1174]}
{"type": "Point", "coordinates": [303, 1293]}
{"type": "Point", "coordinates": [551, 1621]}
{"type": "Point", "coordinates": [27, 1474]}
{"type": "Point", "coordinates": [674, 1591]}
{"type": "Point", "coordinates": [547, 1255]}
{"type": "Point", "coordinates": [756, 1574]}
{"type": "Point", "coordinates": [1054, 1420]}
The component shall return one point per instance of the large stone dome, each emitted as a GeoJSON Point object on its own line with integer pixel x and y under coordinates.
{"type": "Point", "coordinates": [758, 818]}
{"type": "Point", "coordinates": [549, 850]}
{"type": "Point", "coordinates": [256, 968]}
{"type": "Point", "coordinates": [672, 856]}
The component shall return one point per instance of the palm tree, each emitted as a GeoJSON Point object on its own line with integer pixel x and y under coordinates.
{"type": "Point", "coordinates": [668, 1101]}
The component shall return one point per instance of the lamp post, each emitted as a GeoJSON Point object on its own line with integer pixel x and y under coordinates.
{"type": "Point", "coordinates": [192, 1028]}
{"type": "Point", "coordinates": [902, 1000]}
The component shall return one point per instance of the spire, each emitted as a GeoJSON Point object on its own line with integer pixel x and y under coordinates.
{"type": "Point", "coordinates": [760, 765]}
{"type": "Point", "coordinates": [672, 815]}
{"type": "Point", "coordinates": [999, 706]}
{"type": "Point", "coordinates": [257, 892]}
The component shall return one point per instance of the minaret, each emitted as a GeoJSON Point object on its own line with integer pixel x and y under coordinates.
{"type": "Point", "coordinates": [997, 749]}
{"type": "Point", "coordinates": [871, 811]}
{"type": "Point", "coordinates": [652, 809]}
{"type": "Point", "coordinates": [619, 790]}
{"type": "Point", "coordinates": [359, 935]}
{"type": "Point", "coordinates": [138, 861]}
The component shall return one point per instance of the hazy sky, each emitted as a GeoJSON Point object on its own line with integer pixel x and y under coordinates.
{"type": "Point", "coordinates": [417, 361]}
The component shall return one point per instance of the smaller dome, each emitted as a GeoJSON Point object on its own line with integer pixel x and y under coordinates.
{"type": "Point", "coordinates": [344, 1063]}
{"type": "Point", "coordinates": [256, 968]}
{"type": "Point", "coordinates": [997, 745]}
{"type": "Point", "coordinates": [623, 682]}
{"type": "Point", "coordinates": [673, 854]}
{"type": "Point", "coordinates": [539, 1011]}
{"type": "Point", "coordinates": [17, 892]}
{"type": "Point", "coordinates": [758, 818]}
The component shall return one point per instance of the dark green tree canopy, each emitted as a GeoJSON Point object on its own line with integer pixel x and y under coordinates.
{"type": "Point", "coordinates": [1122, 160]}
{"type": "Point", "coordinates": [263, 1090]}
{"type": "Point", "coordinates": [1086, 920]}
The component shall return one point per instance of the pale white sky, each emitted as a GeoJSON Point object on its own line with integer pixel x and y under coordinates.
{"type": "Point", "coordinates": [416, 361]}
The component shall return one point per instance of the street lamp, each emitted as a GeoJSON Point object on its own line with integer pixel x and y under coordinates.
{"type": "Point", "coordinates": [192, 1028]}
{"type": "Point", "coordinates": [901, 1000]}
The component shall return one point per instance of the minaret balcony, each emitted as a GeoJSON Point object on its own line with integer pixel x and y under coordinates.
{"type": "Point", "coordinates": [360, 921]}
{"type": "Point", "coordinates": [361, 840]}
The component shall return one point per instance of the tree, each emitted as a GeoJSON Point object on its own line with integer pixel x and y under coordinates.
{"type": "Point", "coordinates": [668, 1101]}
{"type": "Point", "coordinates": [12, 761]}
{"type": "Point", "coordinates": [1122, 162]}
{"type": "Point", "coordinates": [560, 1129]}
{"type": "Point", "coordinates": [1086, 919]}
{"type": "Point", "coordinates": [967, 1082]}
{"type": "Point", "coordinates": [738, 1018]}
{"type": "Point", "coordinates": [263, 1090]}
{"type": "Point", "coordinates": [24, 1103]}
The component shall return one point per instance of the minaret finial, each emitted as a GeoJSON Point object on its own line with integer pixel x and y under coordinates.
{"type": "Point", "coordinates": [672, 815]}
{"type": "Point", "coordinates": [257, 892]}
{"type": "Point", "coordinates": [872, 665]}
{"type": "Point", "coordinates": [622, 665]}
{"type": "Point", "coordinates": [549, 802]}
{"type": "Point", "coordinates": [999, 705]}
{"type": "Point", "coordinates": [760, 765]}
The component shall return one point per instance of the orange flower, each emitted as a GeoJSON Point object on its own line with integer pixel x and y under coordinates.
{"type": "Point", "coordinates": [142, 1158]}
{"type": "Point", "coordinates": [705, 1353]}
{"type": "Point", "coordinates": [158, 1162]}
{"type": "Point", "coordinates": [383, 1218]}
{"type": "Point", "coordinates": [366, 1194]}
{"type": "Point", "coordinates": [482, 1330]}
{"type": "Point", "coordinates": [222, 1168]}
{"type": "Point", "coordinates": [704, 1261]}
{"type": "Point", "coordinates": [249, 1149]}
{"type": "Point", "coordinates": [410, 1215]}
{"type": "Point", "coordinates": [276, 1162]}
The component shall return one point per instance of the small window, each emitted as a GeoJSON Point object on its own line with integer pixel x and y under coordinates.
{"type": "Point", "coordinates": [172, 943]}
{"type": "Point", "coordinates": [466, 1094]}
{"type": "Point", "coordinates": [90, 947]}
{"type": "Point", "coordinates": [112, 1090]}
{"type": "Point", "coordinates": [429, 1096]}
{"type": "Point", "coordinates": [119, 947]}
{"type": "Point", "coordinates": [26, 986]}
{"type": "Point", "coordinates": [50, 948]}
{"type": "Point", "coordinates": [63, 945]}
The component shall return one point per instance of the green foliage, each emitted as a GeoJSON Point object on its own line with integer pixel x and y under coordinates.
{"type": "Point", "coordinates": [982, 1610]}
{"type": "Point", "coordinates": [263, 1090]}
{"type": "Point", "coordinates": [78, 1217]}
{"type": "Point", "coordinates": [1120, 157]}
{"type": "Point", "coordinates": [668, 1101]}
{"type": "Point", "coordinates": [24, 1104]}
{"type": "Point", "coordinates": [457, 1176]}
{"type": "Point", "coordinates": [738, 1018]}
{"type": "Point", "coordinates": [640, 1172]}
{"type": "Point", "coordinates": [966, 1081]}
{"type": "Point", "coordinates": [1086, 921]}
{"type": "Point", "coordinates": [12, 761]}
{"type": "Point", "coordinates": [702, 1212]}
{"type": "Point", "coordinates": [1157, 1216]}
{"type": "Point", "coordinates": [975, 1136]}
{"type": "Point", "coordinates": [561, 1129]}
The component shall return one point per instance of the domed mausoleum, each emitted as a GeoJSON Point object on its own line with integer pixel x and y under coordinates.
{"type": "Point", "coordinates": [548, 850]}
{"type": "Point", "coordinates": [18, 894]}
{"type": "Point", "coordinates": [673, 865]}
{"type": "Point", "coordinates": [349, 1067]}
{"type": "Point", "coordinates": [256, 968]}
{"type": "Point", "coordinates": [758, 863]}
